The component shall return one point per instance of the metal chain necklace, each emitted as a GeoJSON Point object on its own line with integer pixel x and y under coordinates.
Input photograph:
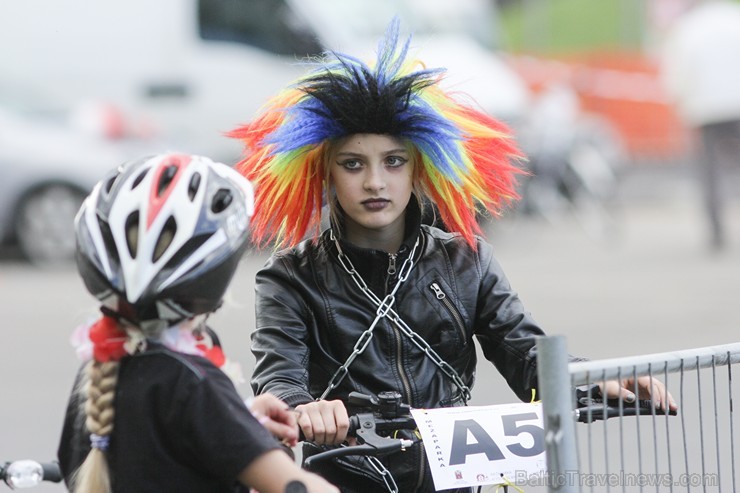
{"type": "Point", "coordinates": [384, 309]}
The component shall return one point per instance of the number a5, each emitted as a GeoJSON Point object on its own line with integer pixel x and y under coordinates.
{"type": "Point", "coordinates": [485, 444]}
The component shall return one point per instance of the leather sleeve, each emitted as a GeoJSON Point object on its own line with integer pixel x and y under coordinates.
{"type": "Point", "coordinates": [505, 330]}
{"type": "Point", "coordinates": [280, 339]}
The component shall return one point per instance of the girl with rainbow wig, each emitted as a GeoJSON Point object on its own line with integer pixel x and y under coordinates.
{"type": "Point", "coordinates": [379, 301]}
{"type": "Point", "coordinates": [464, 157]}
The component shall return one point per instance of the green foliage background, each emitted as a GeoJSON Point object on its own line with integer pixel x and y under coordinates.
{"type": "Point", "coordinates": [554, 27]}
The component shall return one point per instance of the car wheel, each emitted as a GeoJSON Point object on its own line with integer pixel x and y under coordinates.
{"type": "Point", "coordinates": [45, 224]}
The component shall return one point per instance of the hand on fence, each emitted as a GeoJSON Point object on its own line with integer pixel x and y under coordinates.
{"type": "Point", "coordinates": [646, 387]}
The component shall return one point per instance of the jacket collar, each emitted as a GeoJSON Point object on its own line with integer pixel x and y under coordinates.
{"type": "Point", "coordinates": [371, 263]}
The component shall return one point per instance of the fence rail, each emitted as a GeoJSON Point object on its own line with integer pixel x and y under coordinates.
{"type": "Point", "coordinates": [671, 362]}
{"type": "Point", "coordinates": [693, 451]}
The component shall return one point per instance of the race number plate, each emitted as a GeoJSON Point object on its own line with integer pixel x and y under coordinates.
{"type": "Point", "coordinates": [478, 445]}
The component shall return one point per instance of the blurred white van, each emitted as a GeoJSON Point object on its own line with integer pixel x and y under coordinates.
{"type": "Point", "coordinates": [192, 69]}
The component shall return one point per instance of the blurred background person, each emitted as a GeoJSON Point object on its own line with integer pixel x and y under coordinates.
{"type": "Point", "coordinates": [701, 71]}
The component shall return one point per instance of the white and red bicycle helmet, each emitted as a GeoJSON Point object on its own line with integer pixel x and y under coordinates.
{"type": "Point", "coordinates": [159, 239]}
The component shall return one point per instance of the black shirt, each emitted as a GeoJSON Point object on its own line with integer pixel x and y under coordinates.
{"type": "Point", "coordinates": [179, 425]}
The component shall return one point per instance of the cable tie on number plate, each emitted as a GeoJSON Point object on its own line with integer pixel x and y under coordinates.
{"type": "Point", "coordinates": [507, 482]}
{"type": "Point", "coordinates": [534, 397]}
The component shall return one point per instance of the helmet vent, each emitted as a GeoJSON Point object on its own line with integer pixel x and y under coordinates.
{"type": "Point", "coordinates": [139, 178]}
{"type": "Point", "coordinates": [221, 200]}
{"type": "Point", "coordinates": [193, 186]}
{"type": "Point", "coordinates": [166, 178]}
{"type": "Point", "coordinates": [110, 244]}
{"type": "Point", "coordinates": [132, 233]}
{"type": "Point", "coordinates": [165, 238]}
{"type": "Point", "coordinates": [109, 184]}
{"type": "Point", "coordinates": [185, 251]}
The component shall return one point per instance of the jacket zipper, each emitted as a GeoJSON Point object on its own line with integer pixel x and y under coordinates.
{"type": "Point", "coordinates": [401, 370]}
{"type": "Point", "coordinates": [392, 263]}
{"type": "Point", "coordinates": [441, 296]}
{"type": "Point", "coordinates": [396, 333]}
{"type": "Point", "coordinates": [399, 363]}
{"type": "Point", "coordinates": [407, 389]}
{"type": "Point", "coordinates": [459, 325]}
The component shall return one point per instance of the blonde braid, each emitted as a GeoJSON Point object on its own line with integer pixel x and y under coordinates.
{"type": "Point", "coordinates": [93, 475]}
{"type": "Point", "coordinates": [101, 390]}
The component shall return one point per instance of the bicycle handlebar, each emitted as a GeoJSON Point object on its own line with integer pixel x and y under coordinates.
{"type": "Point", "coordinates": [388, 414]}
{"type": "Point", "coordinates": [29, 473]}
{"type": "Point", "coordinates": [591, 407]}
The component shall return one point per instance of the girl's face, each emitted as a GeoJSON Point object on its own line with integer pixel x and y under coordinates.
{"type": "Point", "coordinates": [373, 180]}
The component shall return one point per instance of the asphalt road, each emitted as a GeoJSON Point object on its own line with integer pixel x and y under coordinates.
{"type": "Point", "coordinates": [648, 285]}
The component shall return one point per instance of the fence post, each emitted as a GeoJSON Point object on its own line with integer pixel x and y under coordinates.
{"type": "Point", "coordinates": [557, 407]}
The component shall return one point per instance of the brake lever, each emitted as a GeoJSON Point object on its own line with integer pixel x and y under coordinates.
{"type": "Point", "coordinates": [367, 434]}
{"type": "Point", "coordinates": [371, 444]}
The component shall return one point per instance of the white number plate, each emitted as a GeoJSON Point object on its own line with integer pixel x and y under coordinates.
{"type": "Point", "coordinates": [478, 445]}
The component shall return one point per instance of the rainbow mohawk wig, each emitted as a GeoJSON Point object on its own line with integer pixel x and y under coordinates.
{"type": "Point", "coordinates": [465, 154]}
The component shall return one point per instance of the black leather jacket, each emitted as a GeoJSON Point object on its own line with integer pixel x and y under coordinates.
{"type": "Point", "coordinates": [310, 314]}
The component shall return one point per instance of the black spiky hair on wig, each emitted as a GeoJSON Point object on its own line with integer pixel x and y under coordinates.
{"type": "Point", "coordinates": [464, 153]}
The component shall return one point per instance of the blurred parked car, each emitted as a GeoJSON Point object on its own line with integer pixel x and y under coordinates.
{"type": "Point", "coordinates": [49, 161]}
{"type": "Point", "coordinates": [200, 68]}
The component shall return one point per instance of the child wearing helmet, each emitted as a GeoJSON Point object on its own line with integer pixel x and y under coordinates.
{"type": "Point", "coordinates": [380, 301]}
{"type": "Point", "coordinates": [158, 242]}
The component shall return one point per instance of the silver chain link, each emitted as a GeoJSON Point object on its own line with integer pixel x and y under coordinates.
{"type": "Point", "coordinates": [384, 309]}
{"type": "Point", "coordinates": [390, 483]}
{"type": "Point", "coordinates": [378, 466]}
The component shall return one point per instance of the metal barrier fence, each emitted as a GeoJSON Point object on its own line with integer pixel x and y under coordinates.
{"type": "Point", "coordinates": [694, 450]}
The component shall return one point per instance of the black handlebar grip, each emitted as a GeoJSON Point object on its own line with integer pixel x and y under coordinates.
{"type": "Point", "coordinates": [295, 487]}
{"type": "Point", "coordinates": [354, 425]}
{"type": "Point", "coordinates": [52, 472]}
